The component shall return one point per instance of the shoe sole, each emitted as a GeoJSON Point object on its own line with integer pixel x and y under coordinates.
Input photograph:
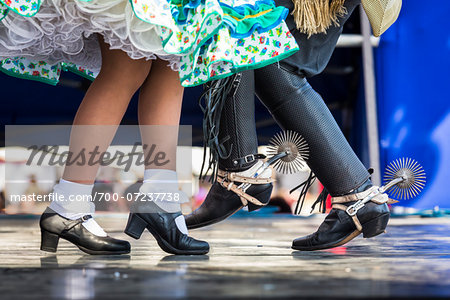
{"type": "Point", "coordinates": [52, 245]}
{"type": "Point", "coordinates": [380, 225]}
{"type": "Point", "coordinates": [94, 252]}
{"type": "Point", "coordinates": [345, 240]}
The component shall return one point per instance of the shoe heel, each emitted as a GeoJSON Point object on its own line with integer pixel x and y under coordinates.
{"type": "Point", "coordinates": [135, 226]}
{"type": "Point", "coordinates": [263, 197]}
{"type": "Point", "coordinates": [49, 241]}
{"type": "Point", "coordinates": [375, 226]}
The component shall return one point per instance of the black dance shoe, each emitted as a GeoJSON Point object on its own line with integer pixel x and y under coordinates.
{"type": "Point", "coordinates": [54, 227]}
{"type": "Point", "coordinates": [164, 229]}
{"type": "Point", "coordinates": [220, 203]}
{"type": "Point", "coordinates": [345, 222]}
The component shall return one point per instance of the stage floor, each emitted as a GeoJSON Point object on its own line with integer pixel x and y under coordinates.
{"type": "Point", "coordinates": [249, 258]}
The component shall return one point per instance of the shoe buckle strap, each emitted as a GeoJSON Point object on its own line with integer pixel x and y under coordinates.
{"type": "Point", "coordinates": [245, 198]}
{"type": "Point", "coordinates": [354, 197]}
{"type": "Point", "coordinates": [248, 159]}
{"type": "Point", "coordinates": [72, 223]}
{"type": "Point", "coordinates": [354, 217]}
{"type": "Point", "coordinates": [373, 194]}
{"type": "Point", "coordinates": [251, 180]}
{"type": "Point", "coordinates": [232, 176]}
{"type": "Point", "coordinates": [85, 218]}
{"type": "Point", "coordinates": [352, 210]}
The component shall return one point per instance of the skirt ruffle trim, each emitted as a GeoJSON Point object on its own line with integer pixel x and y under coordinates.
{"type": "Point", "coordinates": [203, 39]}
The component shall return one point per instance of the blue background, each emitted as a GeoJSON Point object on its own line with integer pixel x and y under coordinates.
{"type": "Point", "coordinates": [413, 82]}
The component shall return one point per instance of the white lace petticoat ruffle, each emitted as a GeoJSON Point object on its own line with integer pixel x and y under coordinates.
{"type": "Point", "coordinates": [65, 31]}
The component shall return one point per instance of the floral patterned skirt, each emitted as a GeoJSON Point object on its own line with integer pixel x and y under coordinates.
{"type": "Point", "coordinates": [202, 39]}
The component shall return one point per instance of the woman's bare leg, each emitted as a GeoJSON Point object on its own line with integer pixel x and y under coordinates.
{"type": "Point", "coordinates": [160, 101]}
{"type": "Point", "coordinates": [159, 115]}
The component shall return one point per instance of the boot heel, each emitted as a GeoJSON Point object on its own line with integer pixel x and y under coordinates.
{"type": "Point", "coordinates": [263, 197]}
{"type": "Point", "coordinates": [375, 226]}
{"type": "Point", "coordinates": [49, 241]}
{"type": "Point", "coordinates": [135, 226]}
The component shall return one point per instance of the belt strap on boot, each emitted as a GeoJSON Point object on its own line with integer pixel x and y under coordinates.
{"type": "Point", "coordinates": [371, 194]}
{"type": "Point", "coordinates": [238, 162]}
{"type": "Point", "coordinates": [379, 199]}
{"type": "Point", "coordinates": [229, 181]}
{"type": "Point", "coordinates": [354, 217]}
{"type": "Point", "coordinates": [231, 176]}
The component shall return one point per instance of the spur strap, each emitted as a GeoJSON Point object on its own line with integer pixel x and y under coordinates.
{"type": "Point", "coordinates": [228, 180]}
{"type": "Point", "coordinates": [245, 198]}
{"type": "Point", "coordinates": [379, 199]}
{"type": "Point", "coordinates": [230, 176]}
{"type": "Point", "coordinates": [354, 218]}
{"type": "Point", "coordinates": [338, 203]}
{"type": "Point", "coordinates": [248, 159]}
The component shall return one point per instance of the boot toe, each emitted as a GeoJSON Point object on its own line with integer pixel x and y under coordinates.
{"type": "Point", "coordinates": [190, 246]}
{"type": "Point", "coordinates": [200, 246]}
{"type": "Point", "coordinates": [123, 246]}
{"type": "Point", "coordinates": [113, 245]}
{"type": "Point", "coordinates": [192, 219]}
{"type": "Point", "coordinates": [302, 243]}
{"type": "Point", "coordinates": [218, 205]}
{"type": "Point", "coordinates": [221, 203]}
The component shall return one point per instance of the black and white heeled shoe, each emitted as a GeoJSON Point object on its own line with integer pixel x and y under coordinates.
{"type": "Point", "coordinates": [53, 227]}
{"type": "Point", "coordinates": [163, 227]}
